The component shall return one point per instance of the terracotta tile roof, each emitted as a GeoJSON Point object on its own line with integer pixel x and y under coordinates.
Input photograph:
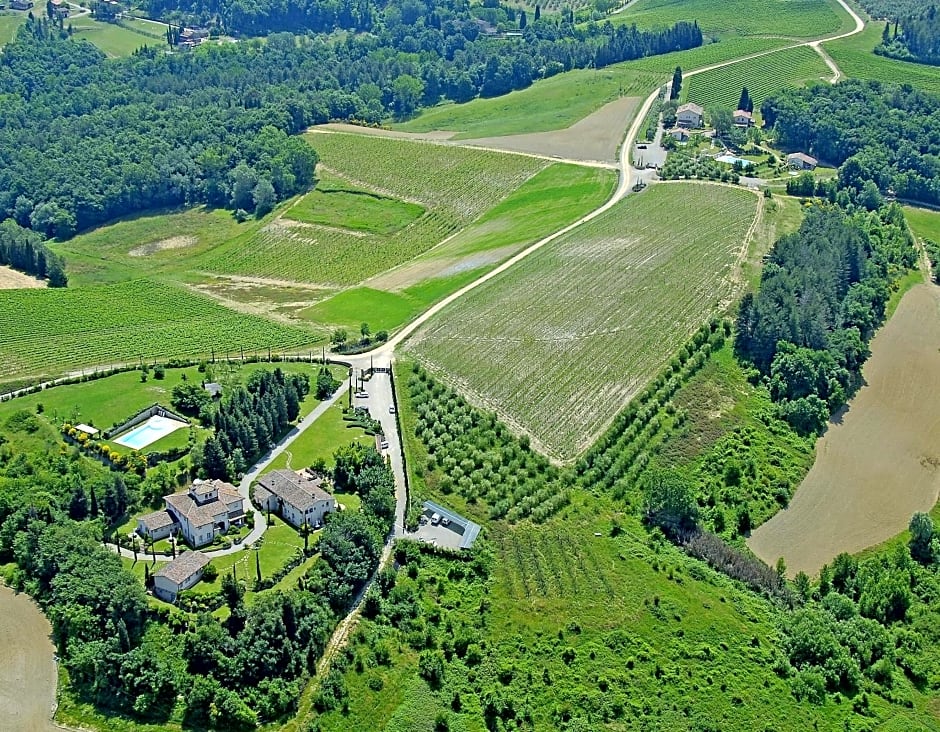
{"type": "Point", "coordinates": [290, 487]}
{"type": "Point", "coordinates": [157, 520]}
{"type": "Point", "coordinates": [183, 567]}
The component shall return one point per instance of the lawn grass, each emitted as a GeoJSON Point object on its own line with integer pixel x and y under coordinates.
{"type": "Point", "coordinates": [765, 77]}
{"type": "Point", "coordinates": [350, 308]}
{"type": "Point", "coordinates": [321, 439]}
{"type": "Point", "coordinates": [790, 18]}
{"type": "Point", "coordinates": [9, 22]}
{"type": "Point", "coordinates": [560, 101]}
{"type": "Point", "coordinates": [558, 344]}
{"type": "Point", "coordinates": [116, 41]}
{"type": "Point", "coordinates": [856, 58]}
{"type": "Point", "coordinates": [337, 203]}
{"type": "Point", "coordinates": [52, 330]}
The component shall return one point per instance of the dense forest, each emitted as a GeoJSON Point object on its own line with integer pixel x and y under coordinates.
{"type": "Point", "coordinates": [248, 421]}
{"type": "Point", "coordinates": [122, 655]}
{"type": "Point", "coordinates": [914, 37]}
{"type": "Point", "coordinates": [823, 293]}
{"type": "Point", "coordinates": [84, 140]}
{"type": "Point", "coordinates": [884, 137]}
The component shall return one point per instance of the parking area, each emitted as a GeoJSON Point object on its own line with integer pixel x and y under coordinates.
{"type": "Point", "coordinates": [442, 527]}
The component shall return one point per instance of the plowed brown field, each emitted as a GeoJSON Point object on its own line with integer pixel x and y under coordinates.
{"type": "Point", "coordinates": [880, 462]}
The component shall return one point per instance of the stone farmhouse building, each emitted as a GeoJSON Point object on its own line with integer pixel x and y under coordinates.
{"type": "Point", "coordinates": [180, 574]}
{"type": "Point", "coordinates": [296, 497]}
{"type": "Point", "coordinates": [208, 508]}
{"type": "Point", "coordinates": [801, 161]}
{"type": "Point", "coordinates": [690, 115]}
{"type": "Point", "coordinates": [742, 118]}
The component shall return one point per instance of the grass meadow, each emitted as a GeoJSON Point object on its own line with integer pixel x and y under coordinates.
{"type": "Point", "coordinates": [788, 18]}
{"type": "Point", "coordinates": [580, 326]}
{"type": "Point", "coordinates": [560, 101]}
{"type": "Point", "coordinates": [763, 78]}
{"type": "Point", "coordinates": [923, 222]}
{"type": "Point", "coordinates": [855, 57]}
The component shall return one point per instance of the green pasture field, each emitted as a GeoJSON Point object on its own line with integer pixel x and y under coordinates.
{"type": "Point", "coordinates": [560, 343]}
{"type": "Point", "coordinates": [9, 22]}
{"type": "Point", "coordinates": [560, 101]}
{"type": "Point", "coordinates": [153, 243]}
{"type": "Point", "coordinates": [785, 18]}
{"type": "Point", "coordinates": [855, 57]}
{"type": "Point", "coordinates": [49, 331]}
{"type": "Point", "coordinates": [923, 222]}
{"type": "Point", "coordinates": [116, 41]}
{"type": "Point", "coordinates": [764, 77]}
{"type": "Point", "coordinates": [464, 184]}
{"type": "Point", "coordinates": [321, 440]}
{"type": "Point", "coordinates": [336, 203]}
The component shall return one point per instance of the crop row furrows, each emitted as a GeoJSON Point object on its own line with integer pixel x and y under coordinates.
{"type": "Point", "coordinates": [575, 332]}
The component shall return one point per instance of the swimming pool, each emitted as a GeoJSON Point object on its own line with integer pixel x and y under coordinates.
{"type": "Point", "coordinates": [731, 160]}
{"type": "Point", "coordinates": [149, 432]}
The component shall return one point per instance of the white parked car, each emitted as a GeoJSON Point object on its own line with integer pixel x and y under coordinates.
{"type": "Point", "coordinates": [384, 444]}
{"type": "Point", "coordinates": [391, 409]}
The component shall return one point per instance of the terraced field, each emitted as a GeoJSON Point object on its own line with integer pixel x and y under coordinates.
{"type": "Point", "coordinates": [50, 331]}
{"type": "Point", "coordinates": [385, 172]}
{"type": "Point", "coordinates": [580, 326]}
{"type": "Point", "coordinates": [763, 78]}
{"type": "Point", "coordinates": [791, 18]}
{"type": "Point", "coordinates": [854, 55]}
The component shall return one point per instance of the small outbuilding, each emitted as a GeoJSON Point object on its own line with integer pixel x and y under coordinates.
{"type": "Point", "coordinates": [214, 389]}
{"type": "Point", "coordinates": [801, 161]}
{"type": "Point", "coordinates": [179, 575]}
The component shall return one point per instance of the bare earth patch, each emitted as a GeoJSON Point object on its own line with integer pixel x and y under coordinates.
{"type": "Point", "coordinates": [27, 669]}
{"type": "Point", "coordinates": [272, 298]}
{"type": "Point", "coordinates": [174, 242]}
{"type": "Point", "coordinates": [412, 273]}
{"type": "Point", "coordinates": [880, 463]}
{"type": "Point", "coordinates": [436, 135]}
{"type": "Point", "coordinates": [596, 138]}
{"type": "Point", "coordinates": [10, 279]}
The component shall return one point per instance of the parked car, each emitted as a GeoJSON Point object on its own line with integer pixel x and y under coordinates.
{"type": "Point", "coordinates": [362, 395]}
{"type": "Point", "coordinates": [384, 444]}
{"type": "Point", "coordinates": [391, 409]}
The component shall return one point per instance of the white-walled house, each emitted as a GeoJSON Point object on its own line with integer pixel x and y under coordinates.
{"type": "Point", "coordinates": [295, 497]}
{"type": "Point", "coordinates": [690, 115]}
{"type": "Point", "coordinates": [180, 574]}
{"type": "Point", "coordinates": [208, 508]}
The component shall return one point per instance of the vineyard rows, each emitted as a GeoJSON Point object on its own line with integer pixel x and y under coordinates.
{"type": "Point", "coordinates": [855, 58]}
{"type": "Point", "coordinates": [560, 343]}
{"type": "Point", "coordinates": [455, 185]}
{"type": "Point", "coordinates": [70, 328]}
{"type": "Point", "coordinates": [791, 18]}
{"type": "Point", "coordinates": [763, 78]}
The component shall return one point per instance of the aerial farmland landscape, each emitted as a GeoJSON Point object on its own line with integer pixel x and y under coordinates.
{"type": "Point", "coordinates": [433, 366]}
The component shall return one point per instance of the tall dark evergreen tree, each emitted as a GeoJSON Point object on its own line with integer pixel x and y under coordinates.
{"type": "Point", "coordinates": [676, 83]}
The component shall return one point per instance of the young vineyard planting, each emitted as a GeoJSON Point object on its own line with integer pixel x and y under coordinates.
{"type": "Point", "coordinates": [453, 185]}
{"type": "Point", "coordinates": [65, 329]}
{"type": "Point", "coordinates": [560, 343]}
{"type": "Point", "coordinates": [763, 78]}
